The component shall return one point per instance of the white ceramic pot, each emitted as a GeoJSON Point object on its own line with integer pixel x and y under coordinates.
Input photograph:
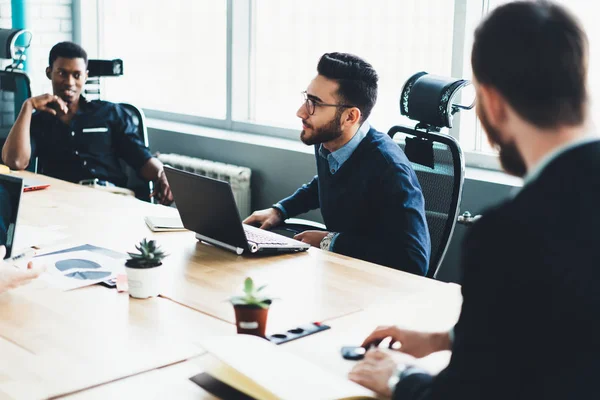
{"type": "Point", "coordinates": [144, 282]}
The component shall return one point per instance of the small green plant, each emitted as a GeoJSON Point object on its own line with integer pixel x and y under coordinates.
{"type": "Point", "coordinates": [150, 255]}
{"type": "Point", "coordinates": [252, 296]}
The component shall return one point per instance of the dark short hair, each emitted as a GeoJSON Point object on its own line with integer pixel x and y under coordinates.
{"type": "Point", "coordinates": [535, 55]}
{"type": "Point", "coordinates": [356, 78]}
{"type": "Point", "coordinates": [67, 50]}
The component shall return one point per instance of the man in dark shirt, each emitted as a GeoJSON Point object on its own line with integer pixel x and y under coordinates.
{"type": "Point", "coordinates": [528, 327]}
{"type": "Point", "coordinates": [368, 193]}
{"type": "Point", "coordinates": [75, 139]}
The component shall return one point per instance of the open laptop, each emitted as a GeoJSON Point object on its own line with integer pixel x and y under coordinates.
{"type": "Point", "coordinates": [207, 207]}
{"type": "Point", "coordinates": [11, 188]}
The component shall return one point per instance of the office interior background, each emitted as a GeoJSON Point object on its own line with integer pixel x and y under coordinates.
{"type": "Point", "coordinates": [221, 79]}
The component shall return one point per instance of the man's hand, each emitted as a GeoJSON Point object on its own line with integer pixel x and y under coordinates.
{"type": "Point", "coordinates": [265, 219]}
{"type": "Point", "coordinates": [162, 190]}
{"type": "Point", "coordinates": [374, 371]}
{"type": "Point", "coordinates": [417, 344]}
{"type": "Point", "coordinates": [11, 277]}
{"type": "Point", "coordinates": [49, 103]}
{"type": "Point", "coordinates": [311, 237]}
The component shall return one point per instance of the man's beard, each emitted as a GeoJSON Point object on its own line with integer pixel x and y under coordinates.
{"type": "Point", "coordinates": [510, 157]}
{"type": "Point", "coordinates": [326, 133]}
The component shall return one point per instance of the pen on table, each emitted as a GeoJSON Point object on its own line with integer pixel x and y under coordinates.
{"type": "Point", "coordinates": [24, 255]}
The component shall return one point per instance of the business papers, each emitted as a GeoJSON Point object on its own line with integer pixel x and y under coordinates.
{"type": "Point", "coordinates": [264, 371]}
{"type": "Point", "coordinates": [72, 270]}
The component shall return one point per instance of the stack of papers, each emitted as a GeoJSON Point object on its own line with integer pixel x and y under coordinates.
{"type": "Point", "coordinates": [264, 371]}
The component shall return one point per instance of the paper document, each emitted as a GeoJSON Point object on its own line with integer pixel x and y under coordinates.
{"type": "Point", "coordinates": [29, 236]}
{"type": "Point", "coordinates": [265, 371]}
{"type": "Point", "coordinates": [66, 271]}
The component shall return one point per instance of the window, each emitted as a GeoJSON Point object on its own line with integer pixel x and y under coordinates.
{"type": "Point", "coordinates": [398, 38]}
{"type": "Point", "coordinates": [174, 55]}
{"type": "Point", "coordinates": [241, 65]}
{"type": "Point", "coordinates": [580, 9]}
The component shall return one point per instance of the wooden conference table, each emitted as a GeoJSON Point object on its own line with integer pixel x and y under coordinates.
{"type": "Point", "coordinates": [97, 343]}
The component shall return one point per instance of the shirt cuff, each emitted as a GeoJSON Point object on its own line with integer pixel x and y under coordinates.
{"type": "Point", "coordinates": [410, 371]}
{"type": "Point", "coordinates": [282, 209]}
{"type": "Point", "coordinates": [401, 372]}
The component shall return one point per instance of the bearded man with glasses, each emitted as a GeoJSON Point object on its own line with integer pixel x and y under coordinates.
{"type": "Point", "coordinates": [367, 191]}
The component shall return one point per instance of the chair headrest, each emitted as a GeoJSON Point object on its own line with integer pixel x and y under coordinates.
{"type": "Point", "coordinates": [13, 43]}
{"type": "Point", "coordinates": [97, 68]}
{"type": "Point", "coordinates": [429, 99]}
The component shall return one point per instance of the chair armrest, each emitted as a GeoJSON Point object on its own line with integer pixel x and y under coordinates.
{"type": "Point", "coordinates": [297, 225]}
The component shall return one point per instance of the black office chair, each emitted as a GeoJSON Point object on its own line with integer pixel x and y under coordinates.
{"type": "Point", "coordinates": [15, 88]}
{"type": "Point", "coordinates": [135, 182]}
{"type": "Point", "coordinates": [436, 158]}
{"type": "Point", "coordinates": [105, 68]}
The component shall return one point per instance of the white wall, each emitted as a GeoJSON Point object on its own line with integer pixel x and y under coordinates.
{"type": "Point", "coordinates": [51, 21]}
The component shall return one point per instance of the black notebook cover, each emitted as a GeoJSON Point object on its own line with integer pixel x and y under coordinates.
{"type": "Point", "coordinates": [218, 388]}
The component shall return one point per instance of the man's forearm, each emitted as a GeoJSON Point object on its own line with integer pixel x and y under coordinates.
{"type": "Point", "coordinates": [151, 169]}
{"type": "Point", "coordinates": [304, 199]}
{"type": "Point", "coordinates": [16, 152]}
{"type": "Point", "coordinates": [441, 341]}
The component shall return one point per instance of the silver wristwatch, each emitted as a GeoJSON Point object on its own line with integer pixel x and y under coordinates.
{"type": "Point", "coordinates": [326, 241]}
{"type": "Point", "coordinates": [395, 378]}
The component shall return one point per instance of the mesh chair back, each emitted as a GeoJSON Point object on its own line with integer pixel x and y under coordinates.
{"type": "Point", "coordinates": [15, 88]}
{"type": "Point", "coordinates": [441, 175]}
{"type": "Point", "coordinates": [135, 182]}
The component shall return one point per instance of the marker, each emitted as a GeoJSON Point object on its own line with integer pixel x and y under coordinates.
{"type": "Point", "coordinates": [19, 257]}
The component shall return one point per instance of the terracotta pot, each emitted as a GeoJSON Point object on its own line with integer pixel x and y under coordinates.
{"type": "Point", "coordinates": [251, 320]}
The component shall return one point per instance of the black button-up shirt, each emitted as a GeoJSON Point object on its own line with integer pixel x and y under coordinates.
{"type": "Point", "coordinates": [89, 147]}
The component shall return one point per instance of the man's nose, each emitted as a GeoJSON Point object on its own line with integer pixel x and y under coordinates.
{"type": "Point", "coordinates": [302, 112]}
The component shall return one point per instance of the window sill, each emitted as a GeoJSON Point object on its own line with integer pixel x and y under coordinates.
{"type": "Point", "coordinates": [471, 173]}
{"type": "Point", "coordinates": [222, 134]}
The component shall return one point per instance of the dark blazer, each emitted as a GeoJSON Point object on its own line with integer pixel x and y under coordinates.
{"type": "Point", "coordinates": [530, 321]}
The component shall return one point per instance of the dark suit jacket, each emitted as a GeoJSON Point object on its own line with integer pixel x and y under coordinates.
{"type": "Point", "coordinates": [530, 321]}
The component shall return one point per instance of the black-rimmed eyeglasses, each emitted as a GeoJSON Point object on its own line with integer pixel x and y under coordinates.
{"type": "Point", "coordinates": [312, 104]}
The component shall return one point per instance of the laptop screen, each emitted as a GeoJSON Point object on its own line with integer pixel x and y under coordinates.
{"type": "Point", "coordinates": [10, 198]}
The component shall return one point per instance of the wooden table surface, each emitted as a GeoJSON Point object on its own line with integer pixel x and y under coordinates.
{"type": "Point", "coordinates": [56, 343]}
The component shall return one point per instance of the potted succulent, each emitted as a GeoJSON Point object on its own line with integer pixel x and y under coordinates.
{"type": "Point", "coordinates": [251, 309]}
{"type": "Point", "coordinates": [143, 270]}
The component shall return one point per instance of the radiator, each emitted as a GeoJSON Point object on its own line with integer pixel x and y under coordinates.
{"type": "Point", "coordinates": [238, 177]}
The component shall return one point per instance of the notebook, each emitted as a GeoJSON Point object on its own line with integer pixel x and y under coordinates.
{"type": "Point", "coordinates": [164, 224]}
{"type": "Point", "coordinates": [32, 184]}
{"type": "Point", "coordinates": [265, 371]}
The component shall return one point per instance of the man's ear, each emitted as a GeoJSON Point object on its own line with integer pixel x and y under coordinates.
{"type": "Point", "coordinates": [494, 104]}
{"type": "Point", "coordinates": [48, 73]}
{"type": "Point", "coordinates": [87, 75]}
{"type": "Point", "coordinates": [351, 116]}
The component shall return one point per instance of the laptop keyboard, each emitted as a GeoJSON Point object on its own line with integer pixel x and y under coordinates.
{"type": "Point", "coordinates": [260, 236]}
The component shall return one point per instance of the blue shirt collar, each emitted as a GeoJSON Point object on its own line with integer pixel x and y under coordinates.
{"type": "Point", "coordinates": [337, 158]}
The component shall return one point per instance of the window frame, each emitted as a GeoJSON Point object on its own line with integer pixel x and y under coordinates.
{"type": "Point", "coordinates": [239, 54]}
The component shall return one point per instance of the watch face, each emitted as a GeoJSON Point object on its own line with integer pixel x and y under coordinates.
{"type": "Point", "coordinates": [395, 378]}
{"type": "Point", "coordinates": [326, 242]}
